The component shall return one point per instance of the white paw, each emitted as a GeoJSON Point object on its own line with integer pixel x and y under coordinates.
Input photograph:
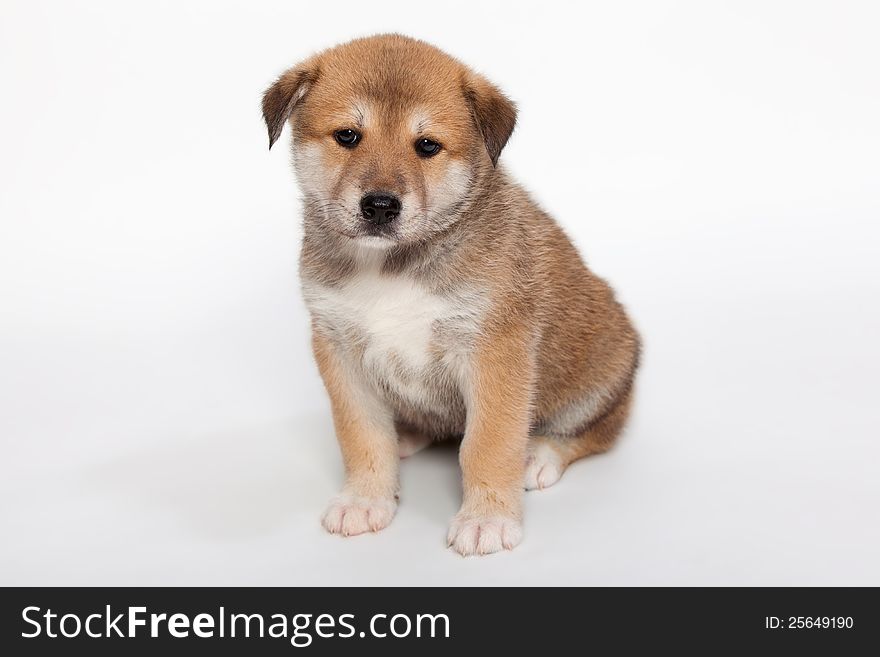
{"type": "Point", "coordinates": [409, 443]}
{"type": "Point", "coordinates": [350, 515]}
{"type": "Point", "coordinates": [543, 467]}
{"type": "Point", "coordinates": [469, 535]}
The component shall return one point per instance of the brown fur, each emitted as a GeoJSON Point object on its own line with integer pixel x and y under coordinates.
{"type": "Point", "coordinates": [550, 354]}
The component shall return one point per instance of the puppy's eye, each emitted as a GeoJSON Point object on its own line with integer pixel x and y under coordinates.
{"type": "Point", "coordinates": [427, 147]}
{"type": "Point", "coordinates": [348, 138]}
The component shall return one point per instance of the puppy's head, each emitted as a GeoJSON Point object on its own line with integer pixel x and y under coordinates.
{"type": "Point", "coordinates": [391, 137]}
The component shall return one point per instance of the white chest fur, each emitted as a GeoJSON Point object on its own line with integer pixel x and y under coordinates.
{"type": "Point", "coordinates": [406, 335]}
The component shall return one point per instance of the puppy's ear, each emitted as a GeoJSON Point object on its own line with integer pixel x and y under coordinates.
{"type": "Point", "coordinates": [494, 113]}
{"type": "Point", "coordinates": [280, 99]}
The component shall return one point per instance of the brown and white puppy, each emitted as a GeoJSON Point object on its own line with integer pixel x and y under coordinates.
{"type": "Point", "coordinates": [444, 301]}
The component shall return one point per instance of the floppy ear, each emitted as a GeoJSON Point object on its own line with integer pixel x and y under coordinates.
{"type": "Point", "coordinates": [280, 99]}
{"type": "Point", "coordinates": [494, 113]}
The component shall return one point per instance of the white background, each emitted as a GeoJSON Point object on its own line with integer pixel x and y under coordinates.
{"type": "Point", "coordinates": [162, 421]}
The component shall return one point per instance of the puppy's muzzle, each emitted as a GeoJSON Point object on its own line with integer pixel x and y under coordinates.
{"type": "Point", "coordinates": [380, 208]}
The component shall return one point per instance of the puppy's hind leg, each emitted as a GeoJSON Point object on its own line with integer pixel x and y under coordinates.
{"type": "Point", "coordinates": [549, 456]}
{"type": "Point", "coordinates": [410, 441]}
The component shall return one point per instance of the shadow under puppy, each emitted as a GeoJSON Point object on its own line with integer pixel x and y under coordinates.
{"type": "Point", "coordinates": [444, 301]}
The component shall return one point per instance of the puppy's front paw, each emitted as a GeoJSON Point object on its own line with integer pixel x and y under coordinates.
{"type": "Point", "coordinates": [350, 515]}
{"type": "Point", "coordinates": [469, 535]}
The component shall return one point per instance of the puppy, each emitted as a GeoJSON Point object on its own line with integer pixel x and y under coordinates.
{"type": "Point", "coordinates": [444, 301]}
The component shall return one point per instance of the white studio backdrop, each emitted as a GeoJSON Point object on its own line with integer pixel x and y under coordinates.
{"type": "Point", "coordinates": [161, 419]}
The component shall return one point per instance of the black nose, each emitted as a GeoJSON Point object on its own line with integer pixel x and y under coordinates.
{"type": "Point", "coordinates": [380, 208]}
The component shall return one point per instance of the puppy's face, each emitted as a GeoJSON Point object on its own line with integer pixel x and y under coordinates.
{"type": "Point", "coordinates": [391, 137]}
